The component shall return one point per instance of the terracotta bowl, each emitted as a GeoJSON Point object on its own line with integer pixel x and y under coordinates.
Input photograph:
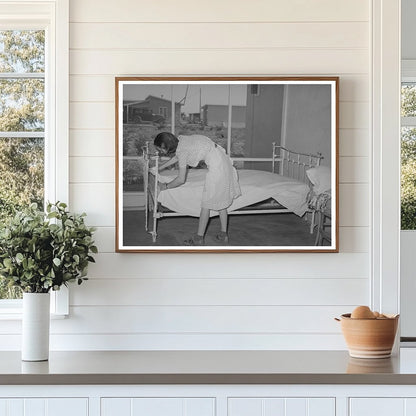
{"type": "Point", "coordinates": [369, 338]}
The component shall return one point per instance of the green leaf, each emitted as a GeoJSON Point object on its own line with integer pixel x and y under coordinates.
{"type": "Point", "coordinates": [57, 262]}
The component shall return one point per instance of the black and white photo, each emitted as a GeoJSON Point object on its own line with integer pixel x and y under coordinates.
{"type": "Point", "coordinates": [227, 164]}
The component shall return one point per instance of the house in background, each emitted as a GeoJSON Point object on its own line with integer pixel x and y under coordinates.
{"type": "Point", "coordinates": [215, 115]}
{"type": "Point", "coordinates": [152, 109]}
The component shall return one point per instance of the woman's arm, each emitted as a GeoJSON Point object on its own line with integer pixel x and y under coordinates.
{"type": "Point", "coordinates": [178, 181]}
{"type": "Point", "coordinates": [170, 162]}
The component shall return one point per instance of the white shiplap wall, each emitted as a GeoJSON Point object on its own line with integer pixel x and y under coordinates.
{"type": "Point", "coordinates": [168, 301]}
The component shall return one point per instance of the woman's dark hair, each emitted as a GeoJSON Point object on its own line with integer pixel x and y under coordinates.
{"type": "Point", "coordinates": [166, 141]}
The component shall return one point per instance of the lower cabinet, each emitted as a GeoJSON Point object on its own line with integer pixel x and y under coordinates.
{"type": "Point", "coordinates": [382, 406]}
{"type": "Point", "coordinates": [44, 407]}
{"type": "Point", "coordinates": [208, 400]}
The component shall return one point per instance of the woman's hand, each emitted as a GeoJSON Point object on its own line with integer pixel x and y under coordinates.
{"type": "Point", "coordinates": [162, 186]}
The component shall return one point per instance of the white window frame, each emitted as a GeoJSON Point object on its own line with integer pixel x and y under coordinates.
{"type": "Point", "coordinates": [53, 17]}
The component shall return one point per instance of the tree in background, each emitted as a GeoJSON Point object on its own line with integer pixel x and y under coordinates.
{"type": "Point", "coordinates": [408, 160]}
{"type": "Point", "coordinates": [408, 179]}
{"type": "Point", "coordinates": [21, 110]}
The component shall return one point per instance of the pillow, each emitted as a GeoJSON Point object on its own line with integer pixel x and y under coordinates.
{"type": "Point", "coordinates": [320, 178]}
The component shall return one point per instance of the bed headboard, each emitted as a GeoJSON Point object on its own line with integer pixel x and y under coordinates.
{"type": "Point", "coordinates": [293, 164]}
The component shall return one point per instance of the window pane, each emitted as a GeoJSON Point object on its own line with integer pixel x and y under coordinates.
{"type": "Point", "coordinates": [408, 100]}
{"type": "Point", "coordinates": [22, 105]}
{"type": "Point", "coordinates": [22, 51]}
{"type": "Point", "coordinates": [21, 173]}
{"type": "Point", "coordinates": [408, 178]}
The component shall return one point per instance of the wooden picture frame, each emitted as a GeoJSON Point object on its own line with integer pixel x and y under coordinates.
{"type": "Point", "coordinates": [281, 134]}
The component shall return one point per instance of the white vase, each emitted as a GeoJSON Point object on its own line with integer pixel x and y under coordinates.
{"type": "Point", "coordinates": [35, 326]}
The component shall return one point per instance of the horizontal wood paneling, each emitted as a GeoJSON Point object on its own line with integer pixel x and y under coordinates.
{"type": "Point", "coordinates": [220, 62]}
{"type": "Point", "coordinates": [92, 115]}
{"type": "Point", "coordinates": [195, 320]}
{"type": "Point", "coordinates": [104, 238]}
{"type": "Point", "coordinates": [184, 341]}
{"type": "Point", "coordinates": [99, 88]}
{"type": "Point", "coordinates": [353, 170]}
{"type": "Point", "coordinates": [354, 205]}
{"type": "Point", "coordinates": [96, 199]}
{"type": "Point", "coordinates": [91, 169]}
{"type": "Point", "coordinates": [218, 35]}
{"type": "Point", "coordinates": [200, 319]}
{"type": "Point", "coordinates": [219, 291]}
{"type": "Point", "coordinates": [354, 142]}
{"type": "Point", "coordinates": [354, 115]}
{"type": "Point", "coordinates": [231, 266]}
{"type": "Point", "coordinates": [94, 143]}
{"type": "Point", "coordinates": [352, 239]}
{"type": "Point", "coordinates": [219, 11]}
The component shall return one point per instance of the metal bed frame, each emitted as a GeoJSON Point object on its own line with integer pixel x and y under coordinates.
{"type": "Point", "coordinates": [288, 163]}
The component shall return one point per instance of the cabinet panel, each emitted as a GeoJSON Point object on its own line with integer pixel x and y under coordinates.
{"type": "Point", "coordinates": [44, 407]}
{"type": "Point", "coordinates": [296, 407]}
{"type": "Point", "coordinates": [155, 406]}
{"type": "Point", "coordinates": [67, 407]}
{"type": "Point", "coordinates": [199, 407]}
{"type": "Point", "coordinates": [113, 406]}
{"type": "Point", "coordinates": [245, 407]}
{"type": "Point", "coordinates": [281, 407]}
{"type": "Point", "coordinates": [34, 407]}
{"type": "Point", "coordinates": [377, 407]}
{"type": "Point", "coordinates": [275, 407]}
{"type": "Point", "coordinates": [410, 407]}
{"type": "Point", "coordinates": [321, 407]}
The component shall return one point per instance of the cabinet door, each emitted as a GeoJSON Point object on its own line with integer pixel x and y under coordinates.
{"type": "Point", "coordinates": [281, 406]}
{"type": "Point", "coordinates": [44, 407]}
{"type": "Point", "coordinates": [155, 406]}
{"type": "Point", "coordinates": [377, 407]}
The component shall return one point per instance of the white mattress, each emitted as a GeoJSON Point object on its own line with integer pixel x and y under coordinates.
{"type": "Point", "coordinates": [256, 186]}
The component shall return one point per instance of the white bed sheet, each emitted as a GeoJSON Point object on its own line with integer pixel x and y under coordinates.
{"type": "Point", "coordinates": [256, 186]}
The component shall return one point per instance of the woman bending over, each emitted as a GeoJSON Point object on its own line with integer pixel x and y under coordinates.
{"type": "Point", "coordinates": [221, 182]}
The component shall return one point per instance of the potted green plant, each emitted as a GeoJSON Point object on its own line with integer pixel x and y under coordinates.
{"type": "Point", "coordinates": [39, 252]}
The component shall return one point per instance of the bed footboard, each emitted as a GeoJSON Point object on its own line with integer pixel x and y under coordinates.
{"type": "Point", "coordinates": [151, 189]}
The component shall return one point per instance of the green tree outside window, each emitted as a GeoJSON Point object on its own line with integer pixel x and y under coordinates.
{"type": "Point", "coordinates": [22, 97]}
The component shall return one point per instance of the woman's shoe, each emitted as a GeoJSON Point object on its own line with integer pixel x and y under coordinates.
{"type": "Point", "coordinates": [222, 237]}
{"type": "Point", "coordinates": [195, 240]}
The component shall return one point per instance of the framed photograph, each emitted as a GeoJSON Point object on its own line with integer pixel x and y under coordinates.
{"type": "Point", "coordinates": [227, 164]}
